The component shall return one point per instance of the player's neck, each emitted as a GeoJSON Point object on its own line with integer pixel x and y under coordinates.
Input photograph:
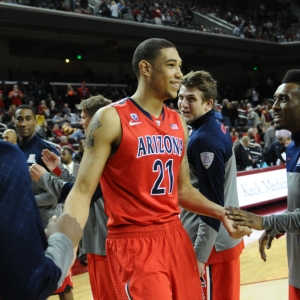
{"type": "Point", "coordinates": [148, 102]}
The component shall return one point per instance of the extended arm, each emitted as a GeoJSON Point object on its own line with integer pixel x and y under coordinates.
{"type": "Point", "coordinates": [192, 200]}
{"type": "Point", "coordinates": [104, 130]}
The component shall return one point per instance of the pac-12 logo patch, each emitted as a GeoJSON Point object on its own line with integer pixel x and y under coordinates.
{"type": "Point", "coordinates": [31, 159]}
{"type": "Point", "coordinates": [134, 117]}
{"type": "Point", "coordinates": [207, 159]}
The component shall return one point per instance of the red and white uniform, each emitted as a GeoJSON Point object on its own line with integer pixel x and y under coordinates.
{"type": "Point", "coordinates": [150, 255]}
{"type": "Point", "coordinates": [138, 182]}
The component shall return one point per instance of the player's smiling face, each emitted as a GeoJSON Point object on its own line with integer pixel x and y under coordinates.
{"type": "Point", "coordinates": [287, 107]}
{"type": "Point", "coordinates": [191, 104]}
{"type": "Point", "coordinates": [166, 74]}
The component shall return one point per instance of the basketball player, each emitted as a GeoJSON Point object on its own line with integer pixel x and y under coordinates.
{"type": "Point", "coordinates": [137, 148]}
{"type": "Point", "coordinates": [95, 231]}
{"type": "Point", "coordinates": [286, 116]}
{"type": "Point", "coordinates": [213, 172]}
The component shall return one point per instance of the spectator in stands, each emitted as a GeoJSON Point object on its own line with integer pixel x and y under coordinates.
{"type": "Point", "coordinates": [66, 158]}
{"type": "Point", "coordinates": [78, 155]}
{"type": "Point", "coordinates": [9, 115]}
{"type": "Point", "coordinates": [57, 131]}
{"type": "Point", "coordinates": [58, 118]}
{"type": "Point", "coordinates": [273, 153]}
{"type": "Point", "coordinates": [43, 108]}
{"type": "Point", "coordinates": [44, 131]}
{"type": "Point", "coordinates": [114, 10]}
{"type": "Point", "coordinates": [2, 104]}
{"type": "Point", "coordinates": [269, 137]}
{"type": "Point", "coordinates": [156, 14]}
{"type": "Point", "coordinates": [71, 117]}
{"type": "Point", "coordinates": [137, 14]}
{"type": "Point", "coordinates": [40, 118]}
{"type": "Point", "coordinates": [242, 154]}
{"type": "Point", "coordinates": [9, 135]}
{"type": "Point", "coordinates": [71, 97]}
{"type": "Point", "coordinates": [83, 92]}
{"type": "Point", "coordinates": [253, 118]}
{"type": "Point", "coordinates": [64, 142]}
{"type": "Point", "coordinates": [226, 112]}
{"type": "Point", "coordinates": [104, 10]}
{"type": "Point", "coordinates": [16, 96]}
{"type": "Point", "coordinates": [52, 108]}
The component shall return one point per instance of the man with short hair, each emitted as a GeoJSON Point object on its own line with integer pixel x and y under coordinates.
{"type": "Point", "coordinates": [273, 153]}
{"type": "Point", "coordinates": [286, 116]}
{"type": "Point", "coordinates": [213, 172]}
{"type": "Point", "coordinates": [66, 158]}
{"type": "Point", "coordinates": [95, 231]}
{"type": "Point", "coordinates": [9, 135]}
{"type": "Point", "coordinates": [31, 146]}
{"type": "Point", "coordinates": [242, 154]}
{"type": "Point", "coordinates": [136, 147]}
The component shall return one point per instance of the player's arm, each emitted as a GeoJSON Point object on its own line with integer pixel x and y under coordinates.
{"type": "Point", "coordinates": [104, 130]}
{"type": "Point", "coordinates": [192, 200]}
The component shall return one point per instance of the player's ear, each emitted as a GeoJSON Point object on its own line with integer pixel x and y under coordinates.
{"type": "Point", "coordinates": [145, 68]}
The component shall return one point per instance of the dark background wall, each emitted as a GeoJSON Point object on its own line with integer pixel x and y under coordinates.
{"type": "Point", "coordinates": [36, 42]}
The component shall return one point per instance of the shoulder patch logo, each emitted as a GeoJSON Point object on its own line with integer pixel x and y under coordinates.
{"type": "Point", "coordinates": [134, 117]}
{"type": "Point", "coordinates": [207, 159]}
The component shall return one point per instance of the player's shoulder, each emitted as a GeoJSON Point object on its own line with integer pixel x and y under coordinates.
{"type": "Point", "coordinates": [8, 149]}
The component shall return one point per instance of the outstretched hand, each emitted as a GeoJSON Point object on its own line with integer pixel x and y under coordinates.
{"type": "Point", "coordinates": [234, 230]}
{"type": "Point", "coordinates": [50, 159]}
{"type": "Point", "coordinates": [67, 225]}
{"type": "Point", "coordinates": [36, 172]}
{"type": "Point", "coordinates": [244, 218]}
{"type": "Point", "coordinates": [265, 242]}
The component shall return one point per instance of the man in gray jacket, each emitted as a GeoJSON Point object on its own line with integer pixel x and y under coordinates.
{"type": "Point", "coordinates": [95, 231]}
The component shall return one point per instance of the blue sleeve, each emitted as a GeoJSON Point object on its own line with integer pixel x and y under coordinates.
{"type": "Point", "coordinates": [207, 156]}
{"type": "Point", "coordinates": [25, 271]}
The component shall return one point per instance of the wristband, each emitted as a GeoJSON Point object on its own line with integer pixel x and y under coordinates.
{"type": "Point", "coordinates": [57, 171]}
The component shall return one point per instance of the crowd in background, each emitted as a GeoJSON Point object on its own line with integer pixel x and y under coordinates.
{"type": "Point", "coordinates": [254, 19]}
{"type": "Point", "coordinates": [58, 118]}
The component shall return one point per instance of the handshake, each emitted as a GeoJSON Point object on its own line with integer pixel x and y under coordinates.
{"type": "Point", "coordinates": [244, 218]}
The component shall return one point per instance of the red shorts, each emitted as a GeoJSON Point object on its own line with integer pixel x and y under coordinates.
{"type": "Point", "coordinates": [222, 281]}
{"type": "Point", "coordinates": [153, 262]}
{"type": "Point", "coordinates": [294, 293]}
{"type": "Point", "coordinates": [100, 280]}
{"type": "Point", "coordinates": [223, 270]}
{"type": "Point", "coordinates": [67, 283]}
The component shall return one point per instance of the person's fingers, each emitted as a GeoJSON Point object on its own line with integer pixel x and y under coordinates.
{"type": "Point", "coordinates": [53, 219]}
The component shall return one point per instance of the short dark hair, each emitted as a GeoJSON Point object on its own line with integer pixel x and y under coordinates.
{"type": "Point", "coordinates": [148, 50]}
{"type": "Point", "coordinates": [25, 106]}
{"type": "Point", "coordinates": [91, 105]}
{"type": "Point", "coordinates": [292, 76]}
{"type": "Point", "coordinates": [68, 149]}
{"type": "Point", "coordinates": [204, 82]}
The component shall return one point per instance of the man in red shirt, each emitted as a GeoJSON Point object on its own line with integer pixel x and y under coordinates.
{"type": "Point", "coordinates": [83, 92]}
{"type": "Point", "coordinates": [16, 96]}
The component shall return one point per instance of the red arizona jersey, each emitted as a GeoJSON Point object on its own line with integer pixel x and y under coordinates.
{"type": "Point", "coordinates": [139, 182]}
